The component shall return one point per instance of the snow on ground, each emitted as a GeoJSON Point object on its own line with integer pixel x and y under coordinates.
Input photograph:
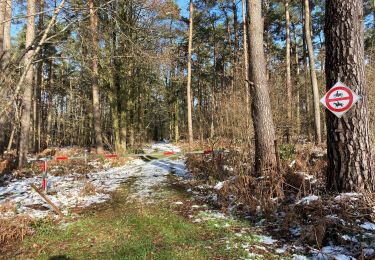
{"type": "Point", "coordinates": [368, 226]}
{"type": "Point", "coordinates": [307, 200]}
{"type": "Point", "coordinates": [162, 147]}
{"type": "Point", "coordinates": [69, 191]}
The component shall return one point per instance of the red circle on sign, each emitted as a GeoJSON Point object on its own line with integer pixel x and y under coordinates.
{"type": "Point", "coordinates": [328, 99]}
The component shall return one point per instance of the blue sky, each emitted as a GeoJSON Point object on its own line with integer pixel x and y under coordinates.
{"type": "Point", "coordinates": [184, 6]}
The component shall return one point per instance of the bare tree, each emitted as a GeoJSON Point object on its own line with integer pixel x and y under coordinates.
{"type": "Point", "coordinates": [261, 105]}
{"type": "Point", "coordinates": [314, 80]}
{"type": "Point", "coordinates": [189, 102]}
{"type": "Point", "coordinates": [350, 161]}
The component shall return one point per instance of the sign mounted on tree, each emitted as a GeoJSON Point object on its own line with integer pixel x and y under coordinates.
{"type": "Point", "coordinates": [339, 99]}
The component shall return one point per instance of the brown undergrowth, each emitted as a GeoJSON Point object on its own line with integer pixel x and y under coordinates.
{"type": "Point", "coordinates": [284, 200]}
{"type": "Point", "coordinates": [59, 168]}
{"type": "Point", "coordinates": [12, 230]}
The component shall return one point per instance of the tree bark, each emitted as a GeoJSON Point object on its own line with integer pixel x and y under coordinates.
{"type": "Point", "coordinates": [7, 30]}
{"type": "Point", "coordinates": [189, 101]}
{"type": "Point", "coordinates": [350, 165]}
{"type": "Point", "coordinates": [27, 95]}
{"type": "Point", "coordinates": [246, 62]}
{"type": "Point", "coordinates": [261, 105]}
{"type": "Point", "coordinates": [235, 28]}
{"type": "Point", "coordinates": [95, 78]}
{"type": "Point", "coordinates": [2, 18]}
{"type": "Point", "coordinates": [287, 65]}
{"type": "Point", "coordinates": [38, 85]}
{"type": "Point", "coordinates": [297, 82]}
{"type": "Point", "coordinates": [314, 80]}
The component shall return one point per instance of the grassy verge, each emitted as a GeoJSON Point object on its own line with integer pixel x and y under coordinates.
{"type": "Point", "coordinates": [121, 230]}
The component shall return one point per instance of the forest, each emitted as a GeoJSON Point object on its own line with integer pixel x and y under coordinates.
{"type": "Point", "coordinates": [251, 122]}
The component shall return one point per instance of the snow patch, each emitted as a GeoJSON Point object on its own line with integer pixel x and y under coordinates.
{"type": "Point", "coordinates": [350, 195]}
{"type": "Point", "coordinates": [368, 226]}
{"type": "Point", "coordinates": [307, 200]}
{"type": "Point", "coordinates": [219, 185]}
{"type": "Point", "coordinates": [267, 240]}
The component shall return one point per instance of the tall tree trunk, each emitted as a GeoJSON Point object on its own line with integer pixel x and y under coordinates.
{"type": "Point", "coordinates": [189, 101]}
{"type": "Point", "coordinates": [115, 86]}
{"type": "Point", "coordinates": [350, 163]}
{"type": "Point", "coordinates": [246, 62]}
{"type": "Point", "coordinates": [235, 29]}
{"type": "Point", "coordinates": [2, 18]}
{"type": "Point", "coordinates": [261, 105]}
{"type": "Point", "coordinates": [95, 78]}
{"type": "Point", "coordinates": [38, 87]}
{"type": "Point", "coordinates": [287, 65]}
{"type": "Point", "coordinates": [297, 81]}
{"type": "Point", "coordinates": [314, 80]}
{"type": "Point", "coordinates": [213, 87]}
{"type": "Point", "coordinates": [27, 95]}
{"type": "Point", "coordinates": [306, 76]}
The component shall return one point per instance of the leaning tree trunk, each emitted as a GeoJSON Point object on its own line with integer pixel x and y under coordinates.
{"type": "Point", "coordinates": [261, 105]}
{"type": "Point", "coordinates": [314, 80]}
{"type": "Point", "coordinates": [95, 78]}
{"type": "Point", "coordinates": [350, 165]}
{"type": "Point", "coordinates": [27, 95]}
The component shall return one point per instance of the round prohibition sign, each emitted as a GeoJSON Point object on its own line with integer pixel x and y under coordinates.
{"type": "Point", "coordinates": [330, 98]}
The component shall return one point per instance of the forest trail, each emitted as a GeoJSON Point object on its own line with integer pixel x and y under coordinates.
{"type": "Point", "coordinates": [141, 210]}
{"type": "Point", "coordinates": [151, 207]}
{"type": "Point", "coordinates": [77, 190]}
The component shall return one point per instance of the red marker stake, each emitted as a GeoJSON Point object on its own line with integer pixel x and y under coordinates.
{"type": "Point", "coordinates": [44, 181]}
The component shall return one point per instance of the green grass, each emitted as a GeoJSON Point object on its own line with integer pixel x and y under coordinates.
{"type": "Point", "coordinates": [123, 230]}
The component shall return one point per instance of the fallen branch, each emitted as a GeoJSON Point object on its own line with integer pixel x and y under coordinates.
{"type": "Point", "coordinates": [58, 211]}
